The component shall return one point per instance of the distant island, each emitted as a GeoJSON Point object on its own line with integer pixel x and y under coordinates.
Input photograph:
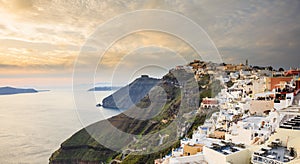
{"type": "Point", "coordinates": [11, 90]}
{"type": "Point", "coordinates": [44, 90]}
{"type": "Point", "coordinates": [105, 88]}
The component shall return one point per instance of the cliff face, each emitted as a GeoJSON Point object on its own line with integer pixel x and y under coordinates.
{"type": "Point", "coordinates": [82, 148]}
{"type": "Point", "coordinates": [131, 94]}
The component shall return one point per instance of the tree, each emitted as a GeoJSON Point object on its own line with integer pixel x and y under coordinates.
{"type": "Point", "coordinates": [270, 68]}
{"type": "Point", "coordinates": [281, 70]}
{"type": "Point", "coordinates": [292, 152]}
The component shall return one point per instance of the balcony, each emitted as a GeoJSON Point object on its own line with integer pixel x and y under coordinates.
{"type": "Point", "coordinates": [273, 154]}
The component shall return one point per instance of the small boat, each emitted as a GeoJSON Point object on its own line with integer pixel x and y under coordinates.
{"type": "Point", "coordinates": [98, 105]}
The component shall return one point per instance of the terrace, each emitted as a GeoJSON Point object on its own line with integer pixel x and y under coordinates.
{"type": "Point", "coordinates": [226, 147]}
{"type": "Point", "coordinates": [290, 122]}
{"type": "Point", "coordinates": [274, 153]}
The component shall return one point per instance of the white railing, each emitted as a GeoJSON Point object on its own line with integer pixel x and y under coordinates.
{"type": "Point", "coordinates": [257, 159]}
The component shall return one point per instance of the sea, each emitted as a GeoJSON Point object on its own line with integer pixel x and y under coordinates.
{"type": "Point", "coordinates": [33, 125]}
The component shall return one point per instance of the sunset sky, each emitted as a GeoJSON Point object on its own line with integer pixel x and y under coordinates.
{"type": "Point", "coordinates": [41, 39]}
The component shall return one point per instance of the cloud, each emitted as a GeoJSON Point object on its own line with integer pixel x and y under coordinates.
{"type": "Point", "coordinates": [21, 4]}
{"type": "Point", "coordinates": [40, 46]}
{"type": "Point", "coordinates": [258, 30]}
{"type": "Point", "coordinates": [7, 66]}
{"type": "Point", "coordinates": [16, 5]}
{"type": "Point", "coordinates": [47, 35]}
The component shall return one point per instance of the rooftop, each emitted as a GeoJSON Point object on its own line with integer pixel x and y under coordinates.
{"type": "Point", "coordinates": [274, 153]}
{"type": "Point", "coordinates": [226, 147]}
{"type": "Point", "coordinates": [254, 119]}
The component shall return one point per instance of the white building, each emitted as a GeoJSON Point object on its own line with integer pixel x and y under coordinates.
{"type": "Point", "coordinates": [253, 130]}
{"type": "Point", "coordinates": [224, 154]}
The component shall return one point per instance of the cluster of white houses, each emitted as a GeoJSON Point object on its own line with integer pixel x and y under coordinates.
{"type": "Point", "coordinates": [256, 122]}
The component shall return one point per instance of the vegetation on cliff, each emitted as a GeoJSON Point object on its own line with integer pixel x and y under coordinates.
{"type": "Point", "coordinates": [83, 146]}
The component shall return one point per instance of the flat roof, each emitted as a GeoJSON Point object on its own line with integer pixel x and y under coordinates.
{"type": "Point", "coordinates": [276, 152]}
{"type": "Point", "coordinates": [226, 147]}
{"type": "Point", "coordinates": [254, 119]}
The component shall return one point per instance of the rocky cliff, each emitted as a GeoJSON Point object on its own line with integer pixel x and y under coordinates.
{"type": "Point", "coordinates": [131, 94]}
{"type": "Point", "coordinates": [83, 148]}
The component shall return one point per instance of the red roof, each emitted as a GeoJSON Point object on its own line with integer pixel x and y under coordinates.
{"type": "Point", "coordinates": [292, 72]}
{"type": "Point", "coordinates": [209, 101]}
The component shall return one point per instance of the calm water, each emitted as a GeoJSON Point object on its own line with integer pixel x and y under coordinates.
{"type": "Point", "coordinates": [32, 126]}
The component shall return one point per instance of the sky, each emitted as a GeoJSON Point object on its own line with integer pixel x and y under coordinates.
{"type": "Point", "coordinates": [40, 40]}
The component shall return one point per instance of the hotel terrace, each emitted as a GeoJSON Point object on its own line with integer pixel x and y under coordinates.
{"type": "Point", "coordinates": [275, 153]}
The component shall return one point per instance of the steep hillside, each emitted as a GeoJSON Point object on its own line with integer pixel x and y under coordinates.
{"type": "Point", "coordinates": [131, 94]}
{"type": "Point", "coordinates": [82, 148]}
